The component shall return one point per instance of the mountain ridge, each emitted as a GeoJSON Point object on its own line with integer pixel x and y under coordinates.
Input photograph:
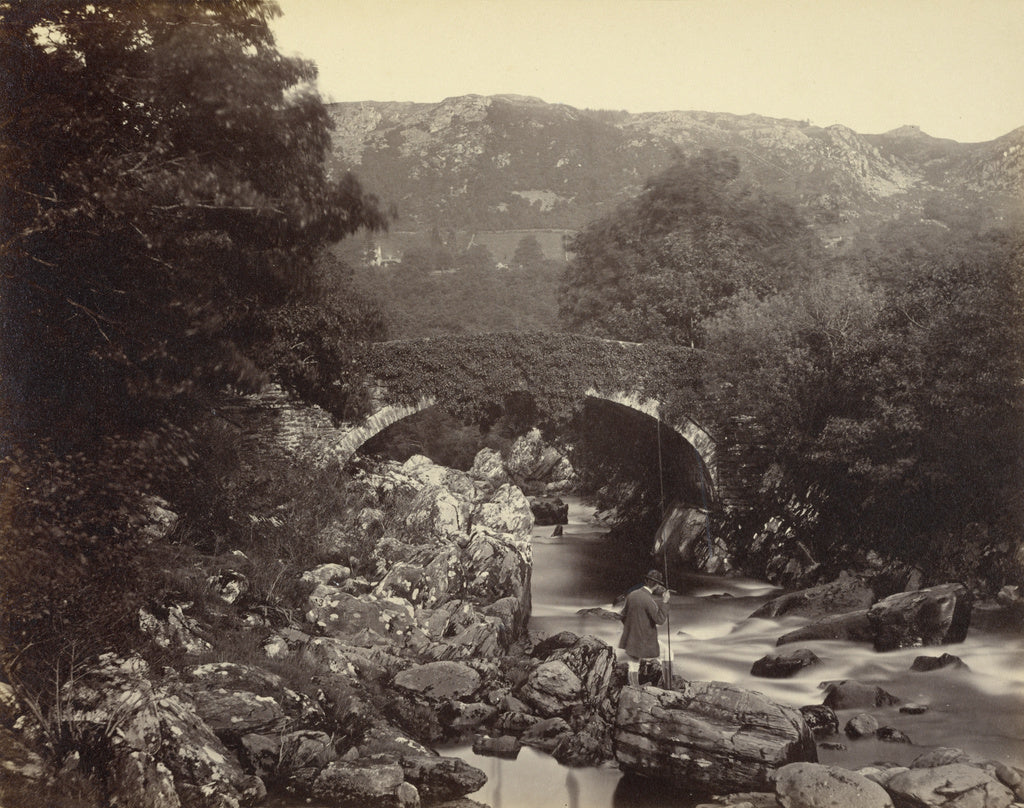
{"type": "Point", "coordinates": [517, 162]}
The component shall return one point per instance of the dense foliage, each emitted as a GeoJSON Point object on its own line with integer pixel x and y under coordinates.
{"type": "Point", "coordinates": [468, 374]}
{"type": "Point", "coordinates": [163, 186]}
{"type": "Point", "coordinates": [165, 210]}
{"type": "Point", "coordinates": [886, 386]}
{"type": "Point", "coordinates": [680, 252]}
{"type": "Point", "coordinates": [892, 393]}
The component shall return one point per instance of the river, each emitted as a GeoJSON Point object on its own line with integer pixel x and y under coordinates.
{"type": "Point", "coordinates": [980, 710]}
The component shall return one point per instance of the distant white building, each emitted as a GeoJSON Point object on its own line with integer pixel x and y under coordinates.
{"type": "Point", "coordinates": [380, 259]}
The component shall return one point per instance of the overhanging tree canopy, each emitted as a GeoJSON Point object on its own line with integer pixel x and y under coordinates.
{"type": "Point", "coordinates": [163, 185]}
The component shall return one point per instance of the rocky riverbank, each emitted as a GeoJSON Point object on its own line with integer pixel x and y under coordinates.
{"type": "Point", "coordinates": [428, 645]}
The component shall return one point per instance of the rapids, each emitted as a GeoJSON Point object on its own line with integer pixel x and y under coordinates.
{"type": "Point", "coordinates": [980, 710]}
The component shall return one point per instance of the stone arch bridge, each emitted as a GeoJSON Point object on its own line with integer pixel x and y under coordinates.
{"type": "Point", "coordinates": [561, 372]}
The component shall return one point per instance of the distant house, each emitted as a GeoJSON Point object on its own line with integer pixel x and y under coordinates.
{"type": "Point", "coordinates": [382, 259]}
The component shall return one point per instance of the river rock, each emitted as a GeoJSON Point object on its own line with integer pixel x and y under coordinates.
{"type": "Point", "coordinates": [956, 785]}
{"type": "Point", "coordinates": [552, 689]}
{"type": "Point", "coordinates": [590, 746]}
{"type": "Point", "coordinates": [439, 680]}
{"type": "Point", "coordinates": [940, 756]}
{"type": "Point", "coordinates": [591, 659]}
{"type": "Point", "coordinates": [811, 785]}
{"type": "Point", "coordinates": [851, 627]}
{"type": "Point", "coordinates": [892, 735]}
{"type": "Point", "coordinates": [507, 511]}
{"type": "Point", "coordinates": [366, 783]}
{"type": "Point", "coordinates": [923, 664]}
{"type": "Point", "coordinates": [546, 734]}
{"type": "Point", "coordinates": [850, 694]}
{"type": "Point", "coordinates": [848, 593]}
{"type": "Point", "coordinates": [504, 746]}
{"type": "Point", "coordinates": [778, 666]}
{"type": "Point", "coordinates": [936, 616]}
{"type": "Point", "coordinates": [881, 773]}
{"type": "Point", "coordinates": [438, 778]}
{"type": "Point", "coordinates": [276, 757]}
{"type": "Point", "coordinates": [861, 726]}
{"type": "Point", "coordinates": [437, 514]}
{"type": "Point", "coordinates": [549, 511]}
{"type": "Point", "coordinates": [708, 736]}
{"type": "Point", "coordinates": [821, 719]}
{"type": "Point", "coordinates": [159, 751]}
{"type": "Point", "coordinates": [489, 468]}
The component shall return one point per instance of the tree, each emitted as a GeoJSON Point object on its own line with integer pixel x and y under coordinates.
{"type": "Point", "coordinates": [661, 263]}
{"type": "Point", "coordinates": [528, 253]}
{"type": "Point", "coordinates": [163, 186]}
{"type": "Point", "coordinates": [894, 411]}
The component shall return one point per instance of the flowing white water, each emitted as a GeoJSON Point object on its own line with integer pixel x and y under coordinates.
{"type": "Point", "coordinates": [980, 710]}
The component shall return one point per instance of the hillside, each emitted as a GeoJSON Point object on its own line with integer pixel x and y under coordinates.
{"type": "Point", "coordinates": [502, 163]}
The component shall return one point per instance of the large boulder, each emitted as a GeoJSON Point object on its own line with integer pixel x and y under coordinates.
{"type": "Point", "coordinates": [956, 785]}
{"type": "Point", "coordinates": [782, 666]}
{"type": "Point", "coordinates": [549, 511]}
{"type": "Point", "coordinates": [850, 627]}
{"type": "Point", "coordinates": [708, 737]}
{"type": "Point", "coordinates": [439, 779]}
{"type": "Point", "coordinates": [368, 784]}
{"type": "Point", "coordinates": [495, 566]}
{"type": "Point", "coordinates": [507, 511]}
{"type": "Point", "coordinates": [811, 785]}
{"type": "Point", "coordinates": [848, 593]}
{"type": "Point", "coordinates": [278, 756]}
{"type": "Point", "coordinates": [159, 751]}
{"type": "Point", "coordinates": [530, 459]}
{"type": "Point", "coordinates": [439, 680]}
{"type": "Point", "coordinates": [683, 529]}
{"type": "Point", "coordinates": [553, 689]}
{"type": "Point", "coordinates": [936, 616]}
{"type": "Point", "coordinates": [489, 468]}
{"type": "Point", "coordinates": [340, 614]}
{"type": "Point", "coordinates": [850, 694]}
{"type": "Point", "coordinates": [234, 713]}
{"type": "Point", "coordinates": [425, 472]}
{"type": "Point", "coordinates": [437, 514]}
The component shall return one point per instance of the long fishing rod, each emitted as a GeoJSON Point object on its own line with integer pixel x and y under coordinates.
{"type": "Point", "coordinates": [667, 675]}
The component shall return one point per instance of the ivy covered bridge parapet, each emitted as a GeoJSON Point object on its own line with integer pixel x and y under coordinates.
{"type": "Point", "coordinates": [466, 375]}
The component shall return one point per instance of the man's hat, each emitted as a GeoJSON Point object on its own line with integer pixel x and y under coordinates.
{"type": "Point", "coordinates": [656, 577]}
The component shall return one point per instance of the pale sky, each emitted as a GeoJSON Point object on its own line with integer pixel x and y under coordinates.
{"type": "Point", "coordinates": [953, 67]}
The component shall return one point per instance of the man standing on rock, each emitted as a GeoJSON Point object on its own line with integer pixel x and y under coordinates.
{"type": "Point", "coordinates": [641, 616]}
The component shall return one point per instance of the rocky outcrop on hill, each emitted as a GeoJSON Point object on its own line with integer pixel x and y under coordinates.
{"type": "Point", "coordinates": [507, 162]}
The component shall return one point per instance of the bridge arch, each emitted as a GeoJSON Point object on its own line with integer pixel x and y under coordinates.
{"type": "Point", "coordinates": [388, 414]}
{"type": "Point", "coordinates": [691, 432]}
